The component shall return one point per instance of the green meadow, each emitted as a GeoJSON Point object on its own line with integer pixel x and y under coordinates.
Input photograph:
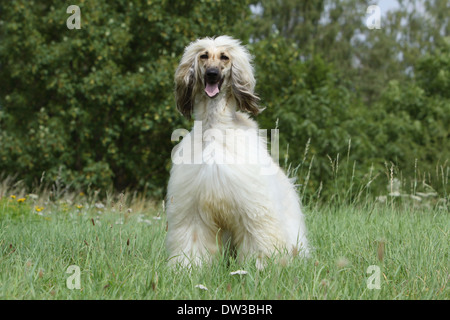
{"type": "Point", "coordinates": [118, 246]}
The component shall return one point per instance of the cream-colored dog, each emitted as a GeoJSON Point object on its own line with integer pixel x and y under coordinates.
{"type": "Point", "coordinates": [224, 186]}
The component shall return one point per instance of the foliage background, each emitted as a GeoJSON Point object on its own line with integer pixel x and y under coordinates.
{"type": "Point", "coordinates": [94, 108]}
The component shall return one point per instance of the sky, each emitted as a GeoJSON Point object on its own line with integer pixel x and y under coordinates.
{"type": "Point", "coordinates": [386, 5]}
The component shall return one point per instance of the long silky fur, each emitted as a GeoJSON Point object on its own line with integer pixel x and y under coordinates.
{"type": "Point", "coordinates": [213, 202]}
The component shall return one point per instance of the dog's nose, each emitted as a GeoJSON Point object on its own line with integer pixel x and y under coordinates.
{"type": "Point", "coordinates": [212, 73]}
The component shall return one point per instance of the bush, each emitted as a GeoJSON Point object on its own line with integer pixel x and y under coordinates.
{"type": "Point", "coordinates": [336, 141]}
{"type": "Point", "coordinates": [94, 107]}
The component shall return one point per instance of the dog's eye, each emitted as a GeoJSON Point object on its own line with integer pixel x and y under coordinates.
{"type": "Point", "coordinates": [204, 56]}
{"type": "Point", "coordinates": [223, 57]}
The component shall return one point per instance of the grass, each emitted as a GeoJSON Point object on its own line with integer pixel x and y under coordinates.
{"type": "Point", "coordinates": [118, 245]}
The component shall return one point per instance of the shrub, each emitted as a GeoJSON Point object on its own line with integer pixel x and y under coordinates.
{"type": "Point", "coordinates": [94, 107]}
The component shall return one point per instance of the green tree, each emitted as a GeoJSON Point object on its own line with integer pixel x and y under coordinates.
{"type": "Point", "coordinates": [411, 120]}
{"type": "Point", "coordinates": [313, 109]}
{"type": "Point", "coordinates": [94, 106]}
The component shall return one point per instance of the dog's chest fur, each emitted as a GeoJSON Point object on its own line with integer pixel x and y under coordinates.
{"type": "Point", "coordinates": [222, 180]}
{"type": "Point", "coordinates": [222, 189]}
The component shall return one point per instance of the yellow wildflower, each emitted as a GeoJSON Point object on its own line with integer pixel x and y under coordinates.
{"type": "Point", "coordinates": [21, 200]}
{"type": "Point", "coordinates": [12, 196]}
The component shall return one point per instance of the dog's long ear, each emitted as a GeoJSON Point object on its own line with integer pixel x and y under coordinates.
{"type": "Point", "coordinates": [243, 81]}
{"type": "Point", "coordinates": [184, 86]}
{"type": "Point", "coordinates": [245, 98]}
{"type": "Point", "coordinates": [185, 76]}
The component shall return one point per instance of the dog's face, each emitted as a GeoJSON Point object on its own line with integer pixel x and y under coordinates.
{"type": "Point", "coordinates": [215, 68]}
{"type": "Point", "coordinates": [214, 65]}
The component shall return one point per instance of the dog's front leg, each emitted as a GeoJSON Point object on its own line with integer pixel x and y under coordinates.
{"type": "Point", "coordinates": [258, 236]}
{"type": "Point", "coordinates": [190, 241]}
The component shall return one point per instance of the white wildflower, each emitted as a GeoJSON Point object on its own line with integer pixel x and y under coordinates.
{"type": "Point", "coordinates": [99, 205]}
{"type": "Point", "coordinates": [238, 272]}
{"type": "Point", "coordinates": [202, 287]}
{"type": "Point", "coordinates": [141, 219]}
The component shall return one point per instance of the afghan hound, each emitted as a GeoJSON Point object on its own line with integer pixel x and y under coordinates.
{"type": "Point", "coordinates": [224, 187]}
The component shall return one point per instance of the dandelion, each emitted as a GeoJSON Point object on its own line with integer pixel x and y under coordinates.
{"type": "Point", "coordinates": [283, 261]}
{"type": "Point", "coordinates": [12, 196]}
{"type": "Point", "coordinates": [38, 209]}
{"type": "Point", "coordinates": [342, 263]}
{"type": "Point", "coordinates": [21, 200]}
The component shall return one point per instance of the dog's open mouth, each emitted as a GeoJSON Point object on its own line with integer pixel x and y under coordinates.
{"type": "Point", "coordinates": [212, 89]}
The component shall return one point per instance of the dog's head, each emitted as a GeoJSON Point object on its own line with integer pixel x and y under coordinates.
{"type": "Point", "coordinates": [213, 67]}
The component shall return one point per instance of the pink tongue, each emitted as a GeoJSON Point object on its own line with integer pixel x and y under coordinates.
{"type": "Point", "coordinates": [212, 89]}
